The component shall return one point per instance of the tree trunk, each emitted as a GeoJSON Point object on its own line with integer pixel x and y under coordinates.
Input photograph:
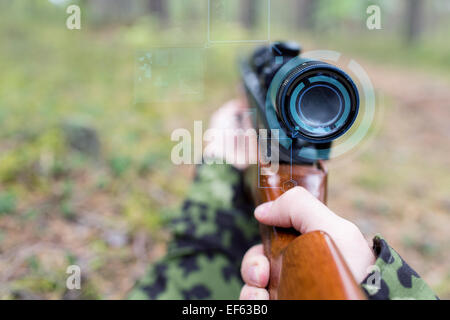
{"type": "Point", "coordinates": [160, 8]}
{"type": "Point", "coordinates": [306, 14]}
{"type": "Point", "coordinates": [115, 11]}
{"type": "Point", "coordinates": [249, 13]}
{"type": "Point", "coordinates": [414, 20]}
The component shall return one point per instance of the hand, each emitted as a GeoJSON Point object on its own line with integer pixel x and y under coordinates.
{"type": "Point", "coordinates": [230, 124]}
{"type": "Point", "coordinates": [299, 209]}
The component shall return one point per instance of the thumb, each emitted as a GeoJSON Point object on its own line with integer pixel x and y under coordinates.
{"type": "Point", "coordinates": [299, 209]}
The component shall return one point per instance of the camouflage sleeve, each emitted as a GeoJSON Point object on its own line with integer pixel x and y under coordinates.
{"type": "Point", "coordinates": [392, 278]}
{"type": "Point", "coordinates": [211, 233]}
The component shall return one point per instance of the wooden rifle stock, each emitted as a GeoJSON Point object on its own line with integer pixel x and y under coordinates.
{"type": "Point", "coordinates": [307, 266]}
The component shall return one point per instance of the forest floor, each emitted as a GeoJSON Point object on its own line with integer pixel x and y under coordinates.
{"type": "Point", "coordinates": [102, 204]}
{"type": "Point", "coordinates": [396, 185]}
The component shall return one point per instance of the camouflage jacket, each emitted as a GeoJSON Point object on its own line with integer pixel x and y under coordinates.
{"type": "Point", "coordinates": [213, 230]}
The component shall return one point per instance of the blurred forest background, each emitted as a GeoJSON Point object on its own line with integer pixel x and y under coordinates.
{"type": "Point", "coordinates": [85, 170]}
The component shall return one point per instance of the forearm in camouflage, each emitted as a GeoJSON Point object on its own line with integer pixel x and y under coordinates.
{"type": "Point", "coordinates": [210, 236]}
{"type": "Point", "coordinates": [392, 278]}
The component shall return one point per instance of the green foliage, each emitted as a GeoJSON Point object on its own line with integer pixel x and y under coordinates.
{"type": "Point", "coordinates": [7, 202]}
{"type": "Point", "coordinates": [33, 263]}
{"type": "Point", "coordinates": [119, 165]}
{"type": "Point", "coordinates": [67, 210]}
{"type": "Point", "coordinates": [31, 214]}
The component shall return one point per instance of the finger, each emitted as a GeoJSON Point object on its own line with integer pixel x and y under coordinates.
{"type": "Point", "coordinates": [255, 268]}
{"type": "Point", "coordinates": [299, 209]}
{"type": "Point", "coordinates": [252, 293]}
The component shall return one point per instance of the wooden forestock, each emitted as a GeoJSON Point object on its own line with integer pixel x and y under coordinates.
{"type": "Point", "coordinates": [307, 266]}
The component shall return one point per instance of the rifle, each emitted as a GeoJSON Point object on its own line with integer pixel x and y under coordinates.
{"type": "Point", "coordinates": [303, 105]}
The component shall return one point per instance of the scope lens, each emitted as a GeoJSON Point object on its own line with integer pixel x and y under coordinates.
{"type": "Point", "coordinates": [319, 105]}
{"type": "Point", "coordinates": [317, 101]}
